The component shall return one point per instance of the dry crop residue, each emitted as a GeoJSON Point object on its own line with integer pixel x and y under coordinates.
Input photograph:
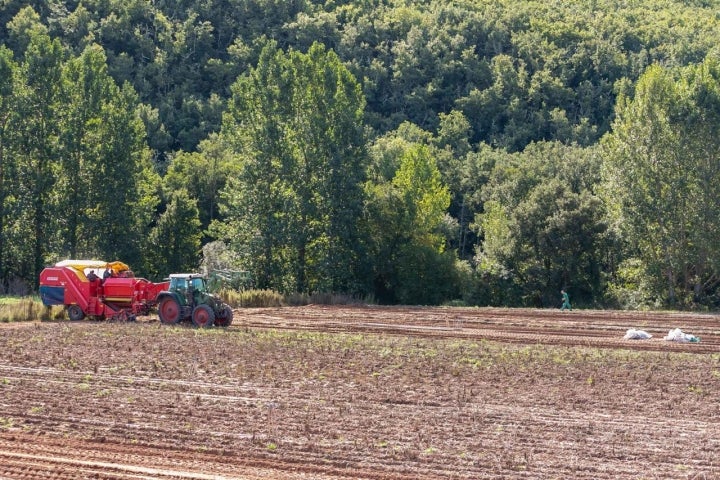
{"type": "Point", "coordinates": [363, 392]}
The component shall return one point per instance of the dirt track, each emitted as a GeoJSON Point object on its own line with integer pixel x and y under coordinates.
{"type": "Point", "coordinates": [372, 393]}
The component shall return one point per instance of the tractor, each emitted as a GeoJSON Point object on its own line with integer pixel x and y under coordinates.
{"type": "Point", "coordinates": [187, 297]}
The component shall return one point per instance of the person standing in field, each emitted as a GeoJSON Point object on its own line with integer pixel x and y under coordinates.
{"type": "Point", "coordinates": [565, 300]}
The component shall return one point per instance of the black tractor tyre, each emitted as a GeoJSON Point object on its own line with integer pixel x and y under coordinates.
{"type": "Point", "coordinates": [225, 318]}
{"type": "Point", "coordinates": [75, 313]}
{"type": "Point", "coordinates": [203, 316]}
{"type": "Point", "coordinates": [169, 311]}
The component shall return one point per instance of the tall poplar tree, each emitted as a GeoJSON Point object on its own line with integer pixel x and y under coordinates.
{"type": "Point", "coordinates": [661, 170]}
{"type": "Point", "coordinates": [8, 118]}
{"type": "Point", "coordinates": [295, 122]}
{"type": "Point", "coordinates": [86, 88]}
{"type": "Point", "coordinates": [126, 186]}
{"type": "Point", "coordinates": [40, 101]}
{"type": "Point", "coordinates": [80, 183]}
{"type": "Point", "coordinates": [103, 199]}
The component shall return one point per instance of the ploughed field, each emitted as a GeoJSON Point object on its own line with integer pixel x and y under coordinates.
{"type": "Point", "coordinates": [363, 392]}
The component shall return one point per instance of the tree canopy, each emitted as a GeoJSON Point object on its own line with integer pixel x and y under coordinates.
{"type": "Point", "coordinates": [485, 152]}
{"type": "Point", "coordinates": [295, 125]}
{"type": "Point", "coordinates": [661, 166]}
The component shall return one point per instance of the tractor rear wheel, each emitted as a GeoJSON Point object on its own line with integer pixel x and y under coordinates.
{"type": "Point", "coordinates": [75, 313]}
{"type": "Point", "coordinates": [169, 311]}
{"type": "Point", "coordinates": [225, 318]}
{"type": "Point", "coordinates": [203, 316]}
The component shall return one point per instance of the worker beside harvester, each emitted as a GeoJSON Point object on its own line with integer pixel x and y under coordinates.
{"type": "Point", "coordinates": [108, 273]}
{"type": "Point", "coordinates": [92, 277]}
{"type": "Point", "coordinates": [94, 281]}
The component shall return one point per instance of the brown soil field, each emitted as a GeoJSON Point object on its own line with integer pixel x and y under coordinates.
{"type": "Point", "coordinates": [322, 392]}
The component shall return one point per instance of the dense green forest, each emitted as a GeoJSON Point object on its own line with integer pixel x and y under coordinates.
{"type": "Point", "coordinates": [479, 152]}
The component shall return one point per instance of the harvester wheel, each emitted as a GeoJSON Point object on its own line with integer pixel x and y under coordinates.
{"type": "Point", "coordinates": [75, 313]}
{"type": "Point", "coordinates": [203, 316]}
{"type": "Point", "coordinates": [169, 311]}
{"type": "Point", "coordinates": [226, 317]}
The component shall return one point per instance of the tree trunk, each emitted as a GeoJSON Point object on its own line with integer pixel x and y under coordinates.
{"type": "Point", "coordinates": [671, 286]}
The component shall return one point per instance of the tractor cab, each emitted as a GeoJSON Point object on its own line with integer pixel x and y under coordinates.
{"type": "Point", "coordinates": [191, 289]}
{"type": "Point", "coordinates": [183, 281]}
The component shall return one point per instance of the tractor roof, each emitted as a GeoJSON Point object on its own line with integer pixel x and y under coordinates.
{"type": "Point", "coordinates": [186, 275]}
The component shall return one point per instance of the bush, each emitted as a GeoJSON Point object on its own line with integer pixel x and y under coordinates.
{"type": "Point", "coordinates": [327, 298]}
{"type": "Point", "coordinates": [631, 289]}
{"type": "Point", "coordinates": [269, 298]}
{"type": "Point", "coordinates": [426, 277]}
{"type": "Point", "coordinates": [27, 309]}
{"type": "Point", "coordinates": [252, 298]}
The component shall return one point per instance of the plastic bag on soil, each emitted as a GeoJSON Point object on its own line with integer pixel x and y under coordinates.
{"type": "Point", "coordinates": [633, 334]}
{"type": "Point", "coordinates": [678, 335]}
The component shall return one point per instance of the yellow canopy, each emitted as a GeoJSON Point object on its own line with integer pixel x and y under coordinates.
{"type": "Point", "coordinates": [84, 266]}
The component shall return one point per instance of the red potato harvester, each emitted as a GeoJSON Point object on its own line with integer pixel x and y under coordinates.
{"type": "Point", "coordinates": [121, 296]}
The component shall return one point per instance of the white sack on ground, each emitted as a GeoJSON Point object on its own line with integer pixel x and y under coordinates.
{"type": "Point", "coordinates": [678, 335]}
{"type": "Point", "coordinates": [633, 334]}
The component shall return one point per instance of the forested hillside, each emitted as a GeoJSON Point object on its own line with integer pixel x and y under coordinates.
{"type": "Point", "coordinates": [483, 152]}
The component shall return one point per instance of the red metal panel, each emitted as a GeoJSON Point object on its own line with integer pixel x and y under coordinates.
{"type": "Point", "coordinates": [119, 289]}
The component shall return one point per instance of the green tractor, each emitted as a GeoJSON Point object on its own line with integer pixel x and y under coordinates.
{"type": "Point", "coordinates": [187, 297]}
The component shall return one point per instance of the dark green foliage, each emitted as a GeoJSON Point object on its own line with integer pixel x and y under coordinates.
{"type": "Point", "coordinates": [174, 243]}
{"type": "Point", "coordinates": [542, 228]}
{"type": "Point", "coordinates": [405, 216]}
{"type": "Point", "coordinates": [111, 113]}
{"type": "Point", "coordinates": [423, 276]}
{"type": "Point", "coordinates": [295, 125]}
{"type": "Point", "coordinates": [76, 180]}
{"type": "Point", "coordinates": [203, 175]}
{"type": "Point", "coordinates": [519, 71]}
{"type": "Point", "coordinates": [662, 171]}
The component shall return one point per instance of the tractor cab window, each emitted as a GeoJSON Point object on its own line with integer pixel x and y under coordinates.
{"type": "Point", "coordinates": [198, 284]}
{"type": "Point", "coordinates": [178, 284]}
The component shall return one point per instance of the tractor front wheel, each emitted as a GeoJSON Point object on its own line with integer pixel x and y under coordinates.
{"type": "Point", "coordinates": [203, 316]}
{"type": "Point", "coordinates": [75, 313]}
{"type": "Point", "coordinates": [169, 311]}
{"type": "Point", "coordinates": [225, 318]}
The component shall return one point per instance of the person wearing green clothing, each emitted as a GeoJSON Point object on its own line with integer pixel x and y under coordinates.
{"type": "Point", "coordinates": [565, 300]}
